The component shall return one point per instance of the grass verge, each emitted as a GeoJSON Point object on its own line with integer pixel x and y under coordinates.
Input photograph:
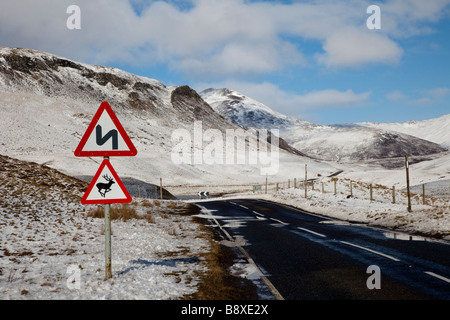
{"type": "Point", "coordinates": [217, 283]}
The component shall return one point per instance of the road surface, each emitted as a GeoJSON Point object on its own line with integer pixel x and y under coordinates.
{"type": "Point", "coordinates": [308, 256]}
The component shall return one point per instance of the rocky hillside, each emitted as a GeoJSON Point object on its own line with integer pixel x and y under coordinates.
{"type": "Point", "coordinates": [47, 103]}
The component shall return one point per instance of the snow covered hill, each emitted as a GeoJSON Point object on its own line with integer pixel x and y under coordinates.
{"type": "Point", "coordinates": [47, 103]}
{"type": "Point", "coordinates": [243, 110]}
{"type": "Point", "coordinates": [333, 143]}
{"type": "Point", "coordinates": [434, 130]}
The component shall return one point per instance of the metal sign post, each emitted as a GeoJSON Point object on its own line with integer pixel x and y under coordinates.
{"type": "Point", "coordinates": [107, 241]}
{"type": "Point", "coordinates": [107, 238]}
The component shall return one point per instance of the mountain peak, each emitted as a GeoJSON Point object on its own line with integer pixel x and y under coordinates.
{"type": "Point", "coordinates": [244, 111]}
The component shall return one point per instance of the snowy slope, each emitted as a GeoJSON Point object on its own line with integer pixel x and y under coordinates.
{"type": "Point", "coordinates": [51, 248]}
{"type": "Point", "coordinates": [355, 143]}
{"type": "Point", "coordinates": [47, 103]}
{"type": "Point", "coordinates": [332, 143]}
{"type": "Point", "coordinates": [435, 130]}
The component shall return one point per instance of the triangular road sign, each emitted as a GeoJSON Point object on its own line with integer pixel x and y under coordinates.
{"type": "Point", "coordinates": [105, 136]}
{"type": "Point", "coordinates": [106, 187]}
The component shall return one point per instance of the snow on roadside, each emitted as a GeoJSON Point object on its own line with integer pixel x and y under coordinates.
{"type": "Point", "coordinates": [432, 219]}
{"type": "Point", "coordinates": [51, 248]}
{"type": "Point", "coordinates": [65, 257]}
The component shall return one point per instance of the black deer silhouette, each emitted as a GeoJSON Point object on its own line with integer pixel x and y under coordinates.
{"type": "Point", "coordinates": [105, 186]}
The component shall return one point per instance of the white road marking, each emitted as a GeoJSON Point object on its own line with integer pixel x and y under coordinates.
{"type": "Point", "coordinates": [258, 214]}
{"type": "Point", "coordinates": [370, 250]}
{"type": "Point", "coordinates": [438, 276]}
{"type": "Point", "coordinates": [279, 221]}
{"type": "Point", "coordinates": [310, 231]}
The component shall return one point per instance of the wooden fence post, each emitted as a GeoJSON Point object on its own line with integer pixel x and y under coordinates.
{"type": "Point", "coordinates": [423, 194]}
{"type": "Point", "coordinates": [393, 194]}
{"type": "Point", "coordinates": [266, 183]}
{"type": "Point", "coordinates": [351, 189]}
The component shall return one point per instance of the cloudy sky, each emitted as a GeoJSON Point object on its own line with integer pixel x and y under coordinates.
{"type": "Point", "coordinates": [314, 59]}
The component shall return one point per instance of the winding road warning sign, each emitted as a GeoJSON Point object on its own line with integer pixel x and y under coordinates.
{"type": "Point", "coordinates": [105, 136]}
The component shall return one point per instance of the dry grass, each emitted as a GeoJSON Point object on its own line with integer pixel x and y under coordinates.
{"type": "Point", "coordinates": [122, 212]}
{"type": "Point", "coordinates": [217, 283]}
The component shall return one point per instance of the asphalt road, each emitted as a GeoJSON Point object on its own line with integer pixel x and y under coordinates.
{"type": "Point", "coordinates": [308, 256]}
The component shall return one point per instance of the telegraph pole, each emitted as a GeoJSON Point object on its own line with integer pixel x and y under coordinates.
{"type": "Point", "coordinates": [306, 181]}
{"type": "Point", "coordinates": [407, 183]}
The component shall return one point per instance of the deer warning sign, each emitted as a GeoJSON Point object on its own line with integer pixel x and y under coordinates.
{"type": "Point", "coordinates": [106, 187]}
{"type": "Point", "coordinates": [105, 136]}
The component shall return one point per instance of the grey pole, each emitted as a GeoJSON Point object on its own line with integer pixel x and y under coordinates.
{"type": "Point", "coordinates": [107, 239]}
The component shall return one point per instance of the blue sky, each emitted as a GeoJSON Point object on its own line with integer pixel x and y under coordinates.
{"type": "Point", "coordinates": [315, 60]}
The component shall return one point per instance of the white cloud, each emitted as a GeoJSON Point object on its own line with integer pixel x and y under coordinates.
{"type": "Point", "coordinates": [406, 18]}
{"type": "Point", "coordinates": [439, 92]}
{"type": "Point", "coordinates": [350, 47]}
{"type": "Point", "coordinates": [243, 59]}
{"type": "Point", "coordinates": [426, 97]}
{"type": "Point", "coordinates": [430, 97]}
{"type": "Point", "coordinates": [396, 96]}
{"type": "Point", "coordinates": [232, 37]}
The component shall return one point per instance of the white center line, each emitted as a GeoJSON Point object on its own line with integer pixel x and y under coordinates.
{"type": "Point", "coordinates": [279, 221]}
{"type": "Point", "coordinates": [370, 250]}
{"type": "Point", "coordinates": [258, 214]}
{"type": "Point", "coordinates": [437, 276]}
{"type": "Point", "coordinates": [310, 231]}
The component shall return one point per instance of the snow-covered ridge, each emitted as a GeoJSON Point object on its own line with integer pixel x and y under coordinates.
{"type": "Point", "coordinates": [434, 130]}
{"type": "Point", "coordinates": [335, 143]}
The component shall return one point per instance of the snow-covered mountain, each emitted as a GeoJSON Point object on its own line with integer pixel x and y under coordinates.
{"type": "Point", "coordinates": [47, 103]}
{"type": "Point", "coordinates": [333, 143]}
{"type": "Point", "coordinates": [243, 110]}
{"type": "Point", "coordinates": [434, 130]}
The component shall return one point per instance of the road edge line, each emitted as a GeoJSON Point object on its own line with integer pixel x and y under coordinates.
{"type": "Point", "coordinates": [269, 284]}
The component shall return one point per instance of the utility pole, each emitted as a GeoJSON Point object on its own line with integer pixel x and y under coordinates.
{"type": "Point", "coordinates": [407, 183]}
{"type": "Point", "coordinates": [306, 181]}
